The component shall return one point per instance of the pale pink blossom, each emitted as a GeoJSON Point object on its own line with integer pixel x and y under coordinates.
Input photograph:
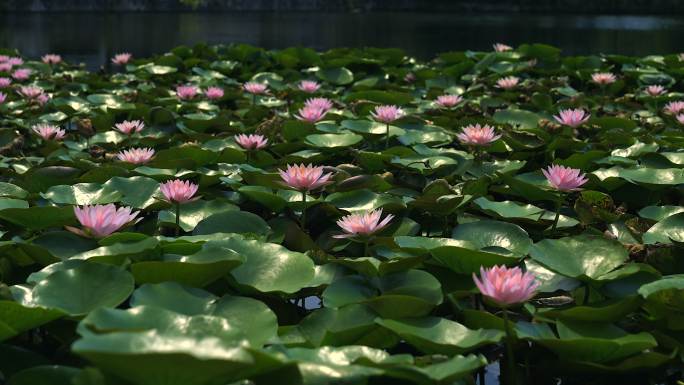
{"type": "Point", "coordinates": [5, 67]}
{"type": "Point", "coordinates": [680, 118]}
{"type": "Point", "coordinates": [506, 286]}
{"type": "Point", "coordinates": [603, 78]}
{"type": "Point", "coordinates": [4, 58]}
{"type": "Point", "coordinates": [136, 155]}
{"type": "Point", "coordinates": [309, 86]}
{"type": "Point", "coordinates": [5, 82]}
{"type": "Point", "coordinates": [43, 98]}
{"type": "Point", "coordinates": [251, 142]}
{"type": "Point", "coordinates": [3, 97]}
{"type": "Point", "coordinates": [121, 58]}
{"type": "Point", "coordinates": [255, 88]}
{"type": "Point", "coordinates": [448, 101]}
{"type": "Point", "coordinates": [214, 93]}
{"type": "Point", "coordinates": [30, 92]}
{"type": "Point", "coordinates": [102, 220]}
{"type": "Point", "coordinates": [674, 108]}
{"type": "Point", "coordinates": [51, 59]}
{"type": "Point", "coordinates": [564, 178]}
{"type": "Point", "coordinates": [410, 77]}
{"type": "Point", "coordinates": [311, 114]}
{"type": "Point", "coordinates": [186, 92]}
{"type": "Point", "coordinates": [507, 83]}
{"type": "Point", "coordinates": [129, 127]}
{"type": "Point", "coordinates": [322, 103]}
{"type": "Point", "coordinates": [49, 131]}
{"type": "Point", "coordinates": [178, 191]}
{"type": "Point", "coordinates": [304, 178]}
{"type": "Point", "coordinates": [387, 114]}
{"type": "Point", "coordinates": [500, 47]}
{"type": "Point", "coordinates": [21, 74]}
{"type": "Point", "coordinates": [476, 135]}
{"type": "Point", "coordinates": [655, 90]}
{"type": "Point", "coordinates": [362, 225]}
{"type": "Point", "coordinates": [15, 61]}
{"type": "Point", "coordinates": [572, 117]}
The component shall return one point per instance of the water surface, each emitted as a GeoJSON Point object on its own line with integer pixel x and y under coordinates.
{"type": "Point", "coordinates": [93, 37]}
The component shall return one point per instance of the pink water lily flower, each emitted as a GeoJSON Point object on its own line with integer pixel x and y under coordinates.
{"type": "Point", "coordinates": [255, 88]}
{"type": "Point", "coordinates": [3, 97]}
{"type": "Point", "coordinates": [476, 135]}
{"type": "Point", "coordinates": [5, 82]}
{"type": "Point", "coordinates": [309, 86]}
{"type": "Point", "coordinates": [603, 78]}
{"type": "Point", "coordinates": [410, 77]}
{"type": "Point", "coordinates": [129, 127]}
{"type": "Point", "coordinates": [21, 74]}
{"type": "Point", "coordinates": [680, 118]}
{"type": "Point", "coordinates": [4, 58]}
{"type": "Point", "coordinates": [499, 47]}
{"type": "Point", "coordinates": [655, 90]}
{"type": "Point", "coordinates": [304, 178]}
{"type": "Point", "coordinates": [136, 155]}
{"type": "Point", "coordinates": [448, 101]}
{"type": "Point", "coordinates": [51, 59]}
{"type": "Point", "coordinates": [508, 83]}
{"type": "Point", "coordinates": [674, 108]}
{"type": "Point", "coordinates": [43, 98]}
{"type": "Point", "coordinates": [213, 93]}
{"type": "Point", "coordinates": [102, 220]}
{"type": "Point", "coordinates": [186, 92]}
{"type": "Point", "coordinates": [572, 117]}
{"type": "Point", "coordinates": [15, 61]}
{"type": "Point", "coordinates": [178, 191]}
{"type": "Point", "coordinates": [5, 67]}
{"type": "Point", "coordinates": [564, 178]}
{"type": "Point", "coordinates": [321, 103]}
{"type": "Point", "coordinates": [30, 92]}
{"type": "Point", "coordinates": [506, 286]}
{"type": "Point", "coordinates": [121, 58]}
{"type": "Point", "coordinates": [251, 142]}
{"type": "Point", "coordinates": [49, 131]}
{"type": "Point", "coordinates": [387, 114]}
{"type": "Point", "coordinates": [363, 225]}
{"type": "Point", "coordinates": [311, 114]}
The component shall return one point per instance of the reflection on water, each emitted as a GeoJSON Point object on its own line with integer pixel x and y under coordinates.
{"type": "Point", "coordinates": [92, 37]}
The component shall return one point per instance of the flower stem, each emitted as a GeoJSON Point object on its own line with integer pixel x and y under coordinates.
{"type": "Point", "coordinates": [509, 348]}
{"type": "Point", "coordinates": [302, 221]}
{"type": "Point", "coordinates": [254, 99]}
{"type": "Point", "coordinates": [445, 229]}
{"type": "Point", "coordinates": [387, 137]}
{"type": "Point", "coordinates": [555, 220]}
{"type": "Point", "coordinates": [365, 247]}
{"type": "Point", "coordinates": [586, 294]}
{"type": "Point", "coordinates": [178, 219]}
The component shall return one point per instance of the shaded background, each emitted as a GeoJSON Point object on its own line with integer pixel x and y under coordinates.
{"type": "Point", "coordinates": [92, 31]}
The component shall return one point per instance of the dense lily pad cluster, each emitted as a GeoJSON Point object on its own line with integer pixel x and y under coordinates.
{"type": "Point", "coordinates": [231, 215]}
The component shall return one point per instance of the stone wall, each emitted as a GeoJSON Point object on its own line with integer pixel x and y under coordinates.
{"type": "Point", "coordinates": [534, 6]}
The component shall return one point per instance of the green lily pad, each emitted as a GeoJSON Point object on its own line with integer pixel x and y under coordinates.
{"type": "Point", "coordinates": [668, 230]}
{"type": "Point", "coordinates": [433, 335]}
{"type": "Point", "coordinates": [78, 288]}
{"type": "Point", "coordinates": [582, 257]}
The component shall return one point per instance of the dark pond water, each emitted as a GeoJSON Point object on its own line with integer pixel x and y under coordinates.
{"type": "Point", "coordinates": [93, 37]}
